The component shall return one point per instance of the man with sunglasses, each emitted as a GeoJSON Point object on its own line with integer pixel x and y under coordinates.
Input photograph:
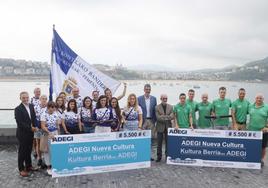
{"type": "Point", "coordinates": [164, 115]}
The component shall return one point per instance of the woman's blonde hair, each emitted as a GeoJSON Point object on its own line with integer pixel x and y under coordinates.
{"type": "Point", "coordinates": [136, 101]}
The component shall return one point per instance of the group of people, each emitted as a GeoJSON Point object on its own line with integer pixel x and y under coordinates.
{"type": "Point", "coordinates": [38, 119]}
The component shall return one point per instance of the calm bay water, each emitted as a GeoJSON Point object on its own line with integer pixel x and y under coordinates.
{"type": "Point", "coordinates": [9, 92]}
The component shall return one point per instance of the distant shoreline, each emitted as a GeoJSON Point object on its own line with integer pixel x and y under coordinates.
{"type": "Point", "coordinates": [47, 80]}
{"type": "Point", "coordinates": [24, 79]}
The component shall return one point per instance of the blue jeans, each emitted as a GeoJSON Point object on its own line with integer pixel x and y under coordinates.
{"type": "Point", "coordinates": [89, 129]}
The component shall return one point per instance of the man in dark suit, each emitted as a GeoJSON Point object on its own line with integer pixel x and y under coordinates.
{"type": "Point", "coordinates": [164, 116]}
{"type": "Point", "coordinates": [147, 103]}
{"type": "Point", "coordinates": [25, 118]}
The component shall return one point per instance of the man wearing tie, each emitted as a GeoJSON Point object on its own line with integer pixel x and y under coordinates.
{"type": "Point", "coordinates": [25, 119]}
{"type": "Point", "coordinates": [164, 116]}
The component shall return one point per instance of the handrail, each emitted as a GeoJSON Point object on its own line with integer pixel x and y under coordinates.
{"type": "Point", "coordinates": [6, 109]}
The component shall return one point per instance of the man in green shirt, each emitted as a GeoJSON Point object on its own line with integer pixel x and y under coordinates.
{"type": "Point", "coordinates": [182, 113]}
{"type": "Point", "coordinates": [258, 120]}
{"type": "Point", "coordinates": [240, 111]}
{"type": "Point", "coordinates": [204, 109]}
{"type": "Point", "coordinates": [193, 104]}
{"type": "Point", "coordinates": [221, 108]}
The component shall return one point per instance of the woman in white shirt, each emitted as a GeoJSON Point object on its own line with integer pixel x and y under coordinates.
{"type": "Point", "coordinates": [71, 119]}
{"type": "Point", "coordinates": [86, 115]}
{"type": "Point", "coordinates": [60, 108]}
{"type": "Point", "coordinates": [49, 123]}
{"type": "Point", "coordinates": [132, 114]}
{"type": "Point", "coordinates": [103, 115]}
{"type": "Point", "coordinates": [39, 110]}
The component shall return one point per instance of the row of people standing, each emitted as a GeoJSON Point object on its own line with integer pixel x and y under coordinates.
{"type": "Point", "coordinates": [74, 114]}
{"type": "Point", "coordinates": [215, 115]}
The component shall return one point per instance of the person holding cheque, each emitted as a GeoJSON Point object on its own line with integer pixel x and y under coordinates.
{"type": "Point", "coordinates": [164, 116]}
{"type": "Point", "coordinates": [103, 116]}
{"type": "Point", "coordinates": [132, 114]}
{"type": "Point", "coordinates": [258, 116]}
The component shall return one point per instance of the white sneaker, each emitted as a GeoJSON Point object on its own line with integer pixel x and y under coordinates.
{"type": "Point", "coordinates": [49, 172]}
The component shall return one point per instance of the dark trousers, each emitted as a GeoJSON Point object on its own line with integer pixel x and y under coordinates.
{"type": "Point", "coordinates": [73, 130]}
{"type": "Point", "coordinates": [160, 138]}
{"type": "Point", "coordinates": [24, 153]}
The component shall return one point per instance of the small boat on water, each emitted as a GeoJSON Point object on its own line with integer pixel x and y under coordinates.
{"type": "Point", "coordinates": [38, 83]}
{"type": "Point", "coordinates": [196, 87]}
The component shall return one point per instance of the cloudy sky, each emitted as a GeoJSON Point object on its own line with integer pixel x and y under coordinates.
{"type": "Point", "coordinates": [183, 35]}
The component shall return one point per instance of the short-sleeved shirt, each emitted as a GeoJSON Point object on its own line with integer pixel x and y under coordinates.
{"type": "Point", "coordinates": [35, 101]}
{"type": "Point", "coordinates": [204, 109]}
{"type": "Point", "coordinates": [50, 120]}
{"type": "Point", "coordinates": [257, 117]}
{"type": "Point", "coordinates": [182, 114]}
{"type": "Point", "coordinates": [240, 107]}
{"type": "Point", "coordinates": [103, 114]}
{"type": "Point", "coordinates": [71, 118]}
{"type": "Point", "coordinates": [221, 108]}
{"type": "Point", "coordinates": [60, 114]}
{"type": "Point", "coordinates": [193, 105]}
{"type": "Point", "coordinates": [86, 115]}
{"type": "Point", "coordinates": [131, 114]}
{"type": "Point", "coordinates": [39, 110]}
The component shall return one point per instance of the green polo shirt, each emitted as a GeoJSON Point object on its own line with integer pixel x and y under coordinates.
{"type": "Point", "coordinates": [221, 108]}
{"type": "Point", "coordinates": [182, 114]}
{"type": "Point", "coordinates": [193, 105]}
{"type": "Point", "coordinates": [240, 107]}
{"type": "Point", "coordinates": [258, 117]}
{"type": "Point", "coordinates": [204, 109]}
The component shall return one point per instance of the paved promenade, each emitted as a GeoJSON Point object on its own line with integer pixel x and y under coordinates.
{"type": "Point", "coordinates": [159, 175]}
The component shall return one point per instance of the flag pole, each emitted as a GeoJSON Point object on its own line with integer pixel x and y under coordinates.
{"type": "Point", "coordinates": [51, 65]}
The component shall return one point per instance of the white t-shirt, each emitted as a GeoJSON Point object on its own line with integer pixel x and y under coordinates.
{"type": "Point", "coordinates": [50, 120]}
{"type": "Point", "coordinates": [35, 101]}
{"type": "Point", "coordinates": [85, 114]}
{"type": "Point", "coordinates": [39, 110]}
{"type": "Point", "coordinates": [71, 119]}
{"type": "Point", "coordinates": [102, 114]}
{"type": "Point", "coordinates": [131, 114]}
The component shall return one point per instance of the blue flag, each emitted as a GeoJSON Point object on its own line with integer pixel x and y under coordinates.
{"type": "Point", "coordinates": [69, 70]}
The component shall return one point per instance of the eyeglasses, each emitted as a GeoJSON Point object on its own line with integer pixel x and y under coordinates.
{"type": "Point", "coordinates": [164, 98]}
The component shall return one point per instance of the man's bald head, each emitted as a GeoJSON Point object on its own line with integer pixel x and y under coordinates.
{"type": "Point", "coordinates": [204, 97]}
{"type": "Point", "coordinates": [163, 98]}
{"type": "Point", "coordinates": [75, 91]}
{"type": "Point", "coordinates": [259, 99]}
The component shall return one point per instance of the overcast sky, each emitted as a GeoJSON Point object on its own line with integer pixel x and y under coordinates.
{"type": "Point", "coordinates": [184, 35]}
